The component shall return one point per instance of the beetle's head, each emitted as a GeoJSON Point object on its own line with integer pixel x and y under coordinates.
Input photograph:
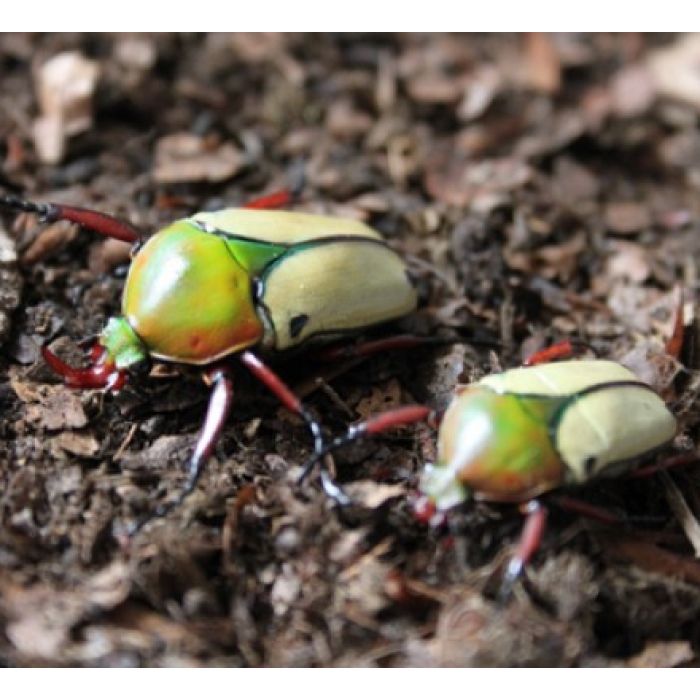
{"type": "Point", "coordinates": [118, 352]}
{"type": "Point", "coordinates": [441, 490]}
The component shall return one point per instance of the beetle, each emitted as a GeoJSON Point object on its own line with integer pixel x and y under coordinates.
{"type": "Point", "coordinates": [225, 283]}
{"type": "Point", "coordinates": [516, 435]}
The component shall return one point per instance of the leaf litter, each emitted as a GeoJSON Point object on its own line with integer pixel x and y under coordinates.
{"type": "Point", "coordinates": [544, 185]}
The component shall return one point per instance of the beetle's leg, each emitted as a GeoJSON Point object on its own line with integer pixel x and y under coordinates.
{"type": "Point", "coordinates": [286, 396]}
{"type": "Point", "coordinates": [220, 403]}
{"type": "Point", "coordinates": [405, 415]}
{"type": "Point", "coordinates": [674, 345]}
{"type": "Point", "coordinates": [681, 460]}
{"type": "Point", "coordinates": [529, 543]}
{"type": "Point", "coordinates": [274, 200]}
{"type": "Point", "coordinates": [281, 198]}
{"type": "Point", "coordinates": [94, 220]}
{"type": "Point", "coordinates": [587, 510]}
{"type": "Point", "coordinates": [345, 351]}
{"type": "Point", "coordinates": [293, 403]}
{"type": "Point", "coordinates": [558, 351]}
{"type": "Point", "coordinates": [373, 347]}
{"type": "Point", "coordinates": [103, 374]}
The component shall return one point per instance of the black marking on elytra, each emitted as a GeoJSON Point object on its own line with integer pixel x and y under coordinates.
{"type": "Point", "coordinates": [296, 325]}
{"type": "Point", "coordinates": [589, 466]}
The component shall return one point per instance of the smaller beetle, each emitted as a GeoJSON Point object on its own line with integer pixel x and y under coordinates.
{"type": "Point", "coordinates": [218, 284]}
{"type": "Point", "coordinates": [513, 436]}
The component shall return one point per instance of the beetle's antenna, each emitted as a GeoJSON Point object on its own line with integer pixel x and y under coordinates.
{"type": "Point", "coordinates": [94, 220]}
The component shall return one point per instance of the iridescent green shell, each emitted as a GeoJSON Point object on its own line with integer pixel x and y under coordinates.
{"type": "Point", "coordinates": [514, 435]}
{"type": "Point", "coordinates": [219, 282]}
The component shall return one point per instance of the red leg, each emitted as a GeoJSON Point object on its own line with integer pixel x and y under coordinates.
{"type": "Point", "coordinates": [220, 403]}
{"type": "Point", "coordinates": [557, 351]}
{"type": "Point", "coordinates": [529, 543]}
{"type": "Point", "coordinates": [373, 347]}
{"type": "Point", "coordinates": [674, 345]}
{"type": "Point", "coordinates": [102, 375]}
{"type": "Point", "coordinates": [286, 396]}
{"type": "Point", "coordinates": [293, 403]}
{"type": "Point", "coordinates": [587, 510]}
{"type": "Point", "coordinates": [95, 221]}
{"type": "Point", "coordinates": [682, 460]}
{"type": "Point", "coordinates": [405, 415]}
{"type": "Point", "coordinates": [275, 200]}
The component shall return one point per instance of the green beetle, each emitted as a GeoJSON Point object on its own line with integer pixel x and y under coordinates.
{"type": "Point", "coordinates": [220, 283]}
{"type": "Point", "coordinates": [513, 436]}
{"type": "Point", "coordinates": [217, 283]}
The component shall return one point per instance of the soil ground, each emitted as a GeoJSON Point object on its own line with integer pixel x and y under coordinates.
{"type": "Point", "coordinates": [539, 186]}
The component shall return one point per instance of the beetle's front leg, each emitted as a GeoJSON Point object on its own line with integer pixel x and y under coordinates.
{"type": "Point", "coordinates": [220, 403]}
{"type": "Point", "coordinates": [529, 543]}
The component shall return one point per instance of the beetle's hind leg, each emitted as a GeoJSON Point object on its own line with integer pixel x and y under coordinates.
{"type": "Point", "coordinates": [529, 543]}
{"type": "Point", "coordinates": [293, 403]}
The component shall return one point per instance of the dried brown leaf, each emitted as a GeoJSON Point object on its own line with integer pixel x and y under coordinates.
{"type": "Point", "coordinates": [475, 633]}
{"type": "Point", "coordinates": [42, 617]}
{"type": "Point", "coordinates": [481, 89]}
{"type": "Point", "coordinates": [52, 407]}
{"type": "Point", "coordinates": [629, 261]}
{"type": "Point", "coordinates": [371, 494]}
{"type": "Point", "coordinates": [51, 239]}
{"type": "Point", "coordinates": [627, 217]}
{"type": "Point", "coordinates": [435, 88]}
{"type": "Point", "coordinates": [663, 655]}
{"type": "Point", "coordinates": [632, 91]}
{"type": "Point", "coordinates": [186, 157]}
{"type": "Point", "coordinates": [158, 455]}
{"type": "Point", "coordinates": [675, 70]}
{"type": "Point", "coordinates": [543, 67]}
{"type": "Point", "coordinates": [454, 180]}
{"type": "Point", "coordinates": [64, 85]}
{"type": "Point", "coordinates": [557, 260]}
{"type": "Point", "coordinates": [573, 182]}
{"type": "Point", "coordinates": [345, 121]}
{"type": "Point", "coordinates": [106, 255]}
{"type": "Point", "coordinates": [81, 444]}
